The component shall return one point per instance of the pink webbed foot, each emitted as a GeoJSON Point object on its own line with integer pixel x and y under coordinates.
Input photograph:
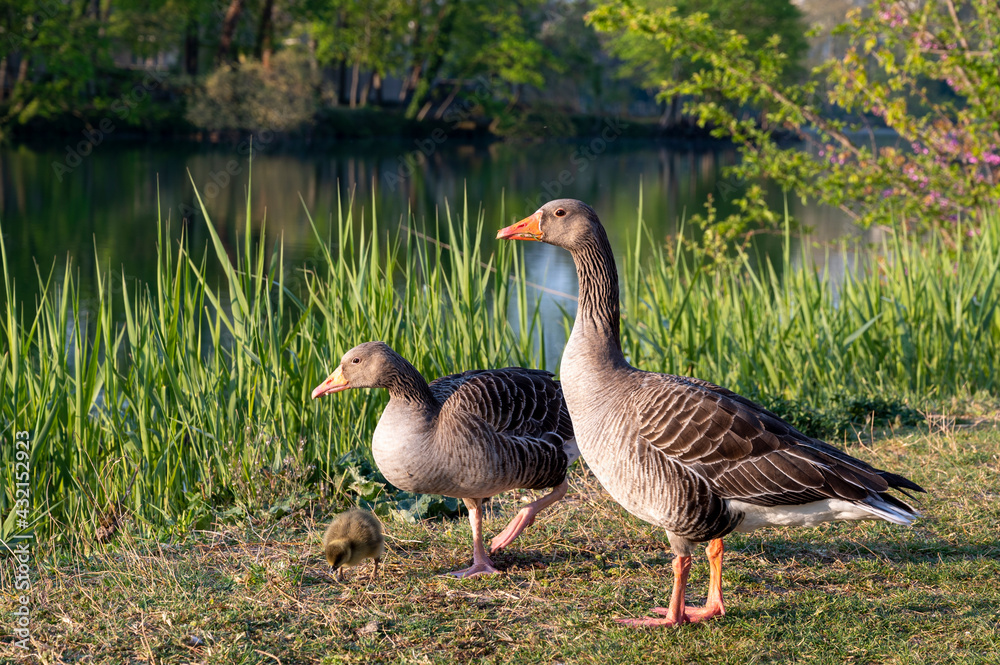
{"type": "Point", "coordinates": [670, 618]}
{"type": "Point", "coordinates": [691, 615]}
{"type": "Point", "coordinates": [698, 614]}
{"type": "Point", "coordinates": [521, 521]}
{"type": "Point", "coordinates": [481, 568]}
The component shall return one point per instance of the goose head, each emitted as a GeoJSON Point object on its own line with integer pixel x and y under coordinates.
{"type": "Point", "coordinates": [565, 223]}
{"type": "Point", "coordinates": [368, 365]}
{"type": "Point", "coordinates": [338, 552]}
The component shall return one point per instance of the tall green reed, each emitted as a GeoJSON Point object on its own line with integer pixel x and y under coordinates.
{"type": "Point", "coordinates": [171, 399]}
{"type": "Point", "coordinates": [917, 321]}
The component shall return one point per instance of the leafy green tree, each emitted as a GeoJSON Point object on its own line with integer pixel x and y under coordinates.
{"type": "Point", "coordinates": [924, 69]}
{"type": "Point", "coordinates": [488, 41]}
{"type": "Point", "coordinates": [576, 66]}
{"type": "Point", "coordinates": [758, 21]}
{"type": "Point", "coordinates": [49, 53]}
{"type": "Point", "coordinates": [368, 35]}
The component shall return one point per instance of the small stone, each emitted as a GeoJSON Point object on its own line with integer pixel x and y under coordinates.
{"type": "Point", "coordinates": [370, 627]}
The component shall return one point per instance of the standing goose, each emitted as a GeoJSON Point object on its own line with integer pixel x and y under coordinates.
{"type": "Point", "coordinates": [684, 454]}
{"type": "Point", "coordinates": [469, 435]}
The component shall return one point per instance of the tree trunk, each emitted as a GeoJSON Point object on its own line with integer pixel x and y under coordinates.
{"type": "Point", "coordinates": [448, 100]}
{"type": "Point", "coordinates": [342, 83]}
{"type": "Point", "coordinates": [446, 23]}
{"type": "Point", "coordinates": [22, 70]}
{"type": "Point", "coordinates": [228, 29]}
{"type": "Point", "coordinates": [409, 82]}
{"type": "Point", "coordinates": [3, 79]}
{"type": "Point", "coordinates": [422, 113]}
{"type": "Point", "coordinates": [355, 74]}
{"type": "Point", "coordinates": [191, 46]}
{"type": "Point", "coordinates": [377, 84]}
{"type": "Point", "coordinates": [367, 90]}
{"type": "Point", "coordinates": [342, 80]}
{"type": "Point", "coordinates": [664, 121]}
{"type": "Point", "coordinates": [263, 48]}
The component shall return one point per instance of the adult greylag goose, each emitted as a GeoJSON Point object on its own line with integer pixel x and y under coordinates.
{"type": "Point", "coordinates": [468, 435]}
{"type": "Point", "coordinates": [684, 454]}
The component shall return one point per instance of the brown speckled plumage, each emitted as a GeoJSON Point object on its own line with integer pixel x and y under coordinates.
{"type": "Point", "coordinates": [470, 435]}
{"type": "Point", "coordinates": [682, 453]}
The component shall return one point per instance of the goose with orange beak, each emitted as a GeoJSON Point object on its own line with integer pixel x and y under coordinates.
{"type": "Point", "coordinates": [682, 453]}
{"type": "Point", "coordinates": [470, 435]}
{"type": "Point", "coordinates": [332, 384]}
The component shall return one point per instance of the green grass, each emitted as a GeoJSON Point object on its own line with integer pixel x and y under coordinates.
{"type": "Point", "coordinates": [259, 591]}
{"type": "Point", "coordinates": [181, 401]}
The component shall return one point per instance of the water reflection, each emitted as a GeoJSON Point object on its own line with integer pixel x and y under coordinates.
{"type": "Point", "coordinates": [106, 208]}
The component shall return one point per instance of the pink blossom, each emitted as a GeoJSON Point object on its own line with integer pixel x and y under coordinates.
{"type": "Point", "coordinates": [893, 16]}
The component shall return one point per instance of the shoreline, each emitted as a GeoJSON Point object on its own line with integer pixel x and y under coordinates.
{"type": "Point", "coordinates": [337, 125]}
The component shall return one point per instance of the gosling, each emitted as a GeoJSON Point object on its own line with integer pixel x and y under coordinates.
{"type": "Point", "coordinates": [351, 538]}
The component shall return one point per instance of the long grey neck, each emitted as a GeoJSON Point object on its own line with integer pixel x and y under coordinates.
{"type": "Point", "coordinates": [598, 314]}
{"type": "Point", "coordinates": [408, 386]}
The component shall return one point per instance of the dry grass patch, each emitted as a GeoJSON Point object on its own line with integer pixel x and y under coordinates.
{"type": "Point", "coordinates": [261, 592]}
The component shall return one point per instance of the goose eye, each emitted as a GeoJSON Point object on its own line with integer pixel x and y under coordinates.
{"type": "Point", "coordinates": [560, 213]}
{"type": "Point", "coordinates": [356, 360]}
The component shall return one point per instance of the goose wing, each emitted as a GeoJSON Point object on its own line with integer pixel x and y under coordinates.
{"type": "Point", "coordinates": [744, 451]}
{"type": "Point", "coordinates": [514, 401]}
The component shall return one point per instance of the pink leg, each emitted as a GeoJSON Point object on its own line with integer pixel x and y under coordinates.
{"type": "Point", "coordinates": [481, 564]}
{"type": "Point", "coordinates": [673, 615]}
{"type": "Point", "coordinates": [526, 517]}
{"type": "Point", "coordinates": [678, 613]}
{"type": "Point", "coordinates": [713, 605]}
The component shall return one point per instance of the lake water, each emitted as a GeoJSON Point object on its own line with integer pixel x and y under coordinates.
{"type": "Point", "coordinates": [55, 206]}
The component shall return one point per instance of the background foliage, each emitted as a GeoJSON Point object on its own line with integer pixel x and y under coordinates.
{"type": "Point", "coordinates": [198, 407]}
{"type": "Point", "coordinates": [905, 124]}
{"type": "Point", "coordinates": [419, 58]}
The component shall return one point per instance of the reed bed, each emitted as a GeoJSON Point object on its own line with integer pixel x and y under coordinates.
{"type": "Point", "coordinates": [200, 400]}
{"type": "Point", "coordinates": [917, 324]}
{"type": "Point", "coordinates": [179, 401]}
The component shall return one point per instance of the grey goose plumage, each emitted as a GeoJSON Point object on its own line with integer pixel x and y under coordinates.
{"type": "Point", "coordinates": [687, 455]}
{"type": "Point", "coordinates": [470, 435]}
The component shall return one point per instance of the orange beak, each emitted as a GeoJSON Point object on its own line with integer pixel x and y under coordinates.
{"type": "Point", "coordinates": [527, 229]}
{"type": "Point", "coordinates": [332, 384]}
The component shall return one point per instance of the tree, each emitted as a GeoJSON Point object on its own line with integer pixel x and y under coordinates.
{"type": "Point", "coordinates": [54, 50]}
{"type": "Point", "coordinates": [369, 35]}
{"type": "Point", "coordinates": [924, 69]}
{"type": "Point", "coordinates": [228, 29]}
{"type": "Point", "coordinates": [758, 21]}
{"type": "Point", "coordinates": [494, 42]}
